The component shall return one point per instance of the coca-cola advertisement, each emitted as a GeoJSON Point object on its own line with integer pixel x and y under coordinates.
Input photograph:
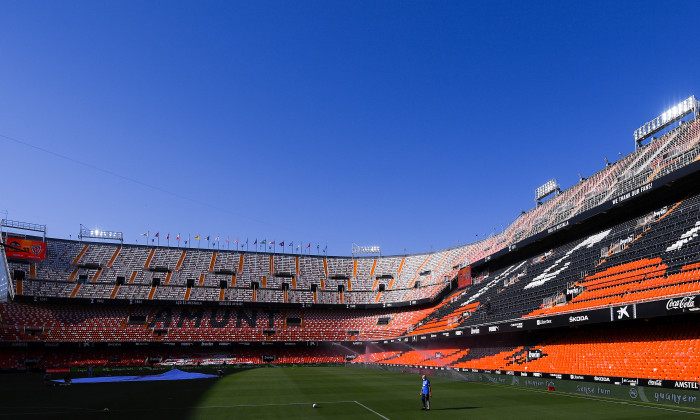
{"type": "Point", "coordinates": [663, 307]}
{"type": "Point", "coordinates": [681, 303]}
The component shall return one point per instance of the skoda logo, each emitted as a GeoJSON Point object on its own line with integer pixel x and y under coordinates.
{"type": "Point", "coordinates": [633, 392]}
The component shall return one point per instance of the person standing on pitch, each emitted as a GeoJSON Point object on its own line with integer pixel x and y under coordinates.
{"type": "Point", "coordinates": [425, 393]}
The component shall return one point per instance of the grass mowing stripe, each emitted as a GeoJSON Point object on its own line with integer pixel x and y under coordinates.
{"type": "Point", "coordinates": [601, 399]}
{"type": "Point", "coordinates": [367, 408]}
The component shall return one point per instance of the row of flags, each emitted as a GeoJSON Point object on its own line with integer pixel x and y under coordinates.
{"type": "Point", "coordinates": [300, 246]}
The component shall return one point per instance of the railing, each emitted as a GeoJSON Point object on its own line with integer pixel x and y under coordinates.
{"type": "Point", "coordinates": [23, 225]}
{"type": "Point", "coordinates": [6, 287]}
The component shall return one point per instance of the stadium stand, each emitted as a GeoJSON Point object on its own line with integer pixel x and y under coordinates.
{"type": "Point", "coordinates": [654, 350]}
{"type": "Point", "coordinates": [592, 250]}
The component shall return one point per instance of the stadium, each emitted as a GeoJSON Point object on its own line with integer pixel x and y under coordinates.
{"type": "Point", "coordinates": [349, 210]}
{"type": "Point", "coordinates": [593, 292]}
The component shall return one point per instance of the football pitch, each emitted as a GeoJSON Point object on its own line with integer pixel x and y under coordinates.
{"type": "Point", "coordinates": [288, 393]}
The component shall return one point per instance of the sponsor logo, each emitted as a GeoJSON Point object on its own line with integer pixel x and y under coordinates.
{"type": "Point", "coordinates": [654, 382]}
{"type": "Point", "coordinates": [622, 312]}
{"type": "Point", "coordinates": [474, 331]}
{"type": "Point", "coordinates": [681, 303]}
{"type": "Point", "coordinates": [517, 325]}
{"type": "Point", "coordinates": [536, 384]}
{"type": "Point", "coordinates": [588, 390]}
{"type": "Point", "coordinates": [574, 290]}
{"type": "Point", "coordinates": [686, 384]}
{"type": "Point", "coordinates": [493, 328]}
{"type": "Point", "coordinates": [576, 377]}
{"type": "Point", "coordinates": [534, 354]}
{"type": "Point", "coordinates": [578, 318]}
{"type": "Point", "coordinates": [544, 321]}
{"type": "Point", "coordinates": [555, 375]}
{"type": "Point", "coordinates": [673, 397]}
{"type": "Point", "coordinates": [601, 379]}
{"type": "Point", "coordinates": [633, 393]}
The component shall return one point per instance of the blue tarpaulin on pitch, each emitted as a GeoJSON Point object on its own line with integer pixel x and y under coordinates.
{"type": "Point", "coordinates": [172, 375]}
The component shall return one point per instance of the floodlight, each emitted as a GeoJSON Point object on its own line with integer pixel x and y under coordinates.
{"type": "Point", "coordinates": [371, 249]}
{"type": "Point", "coordinates": [671, 115]}
{"type": "Point", "coordinates": [549, 187]}
{"type": "Point", "coordinates": [99, 234]}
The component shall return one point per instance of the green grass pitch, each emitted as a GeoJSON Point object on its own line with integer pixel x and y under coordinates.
{"type": "Point", "coordinates": [288, 393]}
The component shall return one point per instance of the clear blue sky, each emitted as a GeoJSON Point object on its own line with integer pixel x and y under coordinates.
{"type": "Point", "coordinates": [402, 124]}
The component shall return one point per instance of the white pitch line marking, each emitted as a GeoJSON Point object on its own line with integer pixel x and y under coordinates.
{"type": "Point", "coordinates": [367, 408]}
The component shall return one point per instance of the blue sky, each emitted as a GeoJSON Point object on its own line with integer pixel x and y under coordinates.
{"type": "Point", "coordinates": [408, 125]}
